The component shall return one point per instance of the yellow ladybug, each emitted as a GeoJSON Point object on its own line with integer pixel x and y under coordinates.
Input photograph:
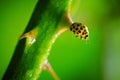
{"type": "Point", "coordinates": [80, 30]}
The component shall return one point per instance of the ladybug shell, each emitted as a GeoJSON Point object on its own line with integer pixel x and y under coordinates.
{"type": "Point", "coordinates": [79, 30]}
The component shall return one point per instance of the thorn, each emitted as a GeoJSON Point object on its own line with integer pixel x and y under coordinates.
{"type": "Point", "coordinates": [23, 36]}
{"type": "Point", "coordinates": [68, 17]}
{"type": "Point", "coordinates": [30, 36]}
{"type": "Point", "coordinates": [49, 68]}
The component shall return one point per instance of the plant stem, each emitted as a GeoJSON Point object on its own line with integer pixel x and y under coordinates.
{"type": "Point", "coordinates": [48, 21]}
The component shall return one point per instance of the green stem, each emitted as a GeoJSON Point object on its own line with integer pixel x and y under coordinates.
{"type": "Point", "coordinates": [47, 22]}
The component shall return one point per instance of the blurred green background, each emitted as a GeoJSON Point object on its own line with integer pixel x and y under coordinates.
{"type": "Point", "coordinates": [72, 58]}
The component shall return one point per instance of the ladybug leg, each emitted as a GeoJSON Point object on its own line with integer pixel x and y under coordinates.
{"type": "Point", "coordinates": [76, 36]}
{"type": "Point", "coordinates": [80, 37]}
{"type": "Point", "coordinates": [49, 68]}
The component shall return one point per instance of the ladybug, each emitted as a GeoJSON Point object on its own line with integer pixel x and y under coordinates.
{"type": "Point", "coordinates": [80, 30]}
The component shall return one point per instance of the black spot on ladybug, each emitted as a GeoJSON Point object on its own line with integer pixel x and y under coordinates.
{"type": "Point", "coordinates": [76, 28]}
{"type": "Point", "coordinates": [74, 31]}
{"type": "Point", "coordinates": [79, 31]}
{"type": "Point", "coordinates": [70, 29]}
{"type": "Point", "coordinates": [81, 28]}
{"type": "Point", "coordinates": [86, 36]}
{"type": "Point", "coordinates": [78, 24]}
{"type": "Point", "coordinates": [73, 26]}
{"type": "Point", "coordinates": [83, 33]}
